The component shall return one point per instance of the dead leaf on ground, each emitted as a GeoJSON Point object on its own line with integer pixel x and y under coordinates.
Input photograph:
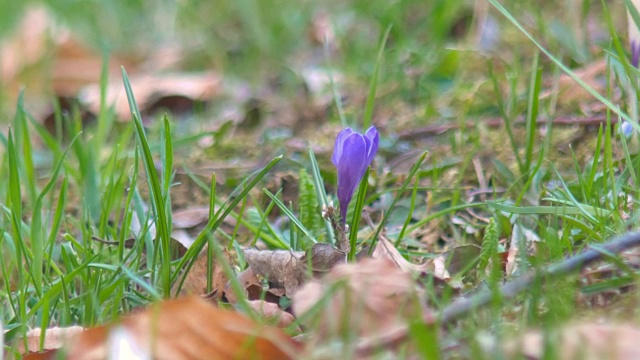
{"type": "Point", "coordinates": [322, 258]}
{"type": "Point", "coordinates": [282, 268]}
{"type": "Point", "coordinates": [196, 281]}
{"type": "Point", "coordinates": [569, 91]}
{"type": "Point", "coordinates": [54, 338]}
{"type": "Point", "coordinates": [441, 267]}
{"type": "Point", "coordinates": [190, 217]}
{"type": "Point", "coordinates": [272, 312]}
{"type": "Point", "coordinates": [290, 269]}
{"type": "Point", "coordinates": [155, 90]}
{"type": "Point", "coordinates": [40, 46]}
{"type": "Point", "coordinates": [520, 236]}
{"type": "Point", "coordinates": [247, 279]}
{"type": "Point", "coordinates": [76, 65]}
{"type": "Point", "coordinates": [187, 328]}
{"type": "Point", "coordinates": [586, 341]}
{"type": "Point", "coordinates": [24, 47]}
{"type": "Point", "coordinates": [386, 250]}
{"type": "Point", "coordinates": [367, 298]}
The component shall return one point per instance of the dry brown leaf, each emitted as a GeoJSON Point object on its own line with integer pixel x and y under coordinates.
{"type": "Point", "coordinates": [196, 281]}
{"type": "Point", "coordinates": [440, 268]}
{"type": "Point", "coordinates": [190, 217]}
{"type": "Point", "coordinates": [282, 268]}
{"type": "Point", "coordinates": [570, 91]}
{"type": "Point", "coordinates": [322, 258]}
{"type": "Point", "coordinates": [247, 279]}
{"type": "Point", "coordinates": [272, 311]}
{"type": "Point", "coordinates": [369, 298]}
{"type": "Point", "coordinates": [252, 289]}
{"type": "Point", "coordinates": [187, 328]}
{"type": "Point", "coordinates": [25, 46]}
{"type": "Point", "coordinates": [512, 255]}
{"type": "Point", "coordinates": [45, 48]}
{"type": "Point", "coordinates": [181, 241]}
{"type": "Point", "coordinates": [586, 341]}
{"type": "Point", "coordinates": [289, 269]}
{"type": "Point", "coordinates": [385, 250]}
{"type": "Point", "coordinates": [150, 89]}
{"type": "Point", "coordinates": [54, 338]}
{"type": "Point", "coordinates": [76, 65]}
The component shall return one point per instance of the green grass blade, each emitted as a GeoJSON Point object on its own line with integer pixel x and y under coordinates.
{"type": "Point", "coordinates": [294, 220]}
{"type": "Point", "coordinates": [532, 112]}
{"type": "Point", "coordinates": [309, 210]}
{"type": "Point", "coordinates": [412, 207]}
{"type": "Point", "coordinates": [505, 116]}
{"type": "Point", "coordinates": [167, 157]}
{"type": "Point", "coordinates": [373, 85]}
{"type": "Point", "coordinates": [163, 224]}
{"type": "Point", "coordinates": [322, 194]}
{"type": "Point", "coordinates": [214, 222]}
{"type": "Point", "coordinates": [565, 69]}
{"type": "Point", "coordinates": [24, 144]}
{"type": "Point", "coordinates": [334, 87]}
{"type": "Point", "coordinates": [15, 203]}
{"type": "Point", "coordinates": [37, 236]}
{"type": "Point", "coordinates": [357, 214]}
{"type": "Point", "coordinates": [406, 183]}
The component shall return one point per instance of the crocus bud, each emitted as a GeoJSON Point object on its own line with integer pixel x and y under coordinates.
{"type": "Point", "coordinates": [352, 154]}
{"type": "Point", "coordinates": [635, 53]}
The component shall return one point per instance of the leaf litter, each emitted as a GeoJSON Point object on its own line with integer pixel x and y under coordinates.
{"type": "Point", "coordinates": [187, 328]}
{"type": "Point", "coordinates": [366, 299]}
{"type": "Point", "coordinates": [282, 274]}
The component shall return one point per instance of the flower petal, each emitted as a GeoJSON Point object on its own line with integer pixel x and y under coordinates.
{"type": "Point", "coordinates": [373, 137]}
{"type": "Point", "coordinates": [351, 167]}
{"type": "Point", "coordinates": [337, 148]}
{"type": "Point", "coordinates": [635, 53]}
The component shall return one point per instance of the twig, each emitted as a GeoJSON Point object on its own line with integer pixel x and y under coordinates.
{"type": "Point", "coordinates": [509, 290]}
{"type": "Point", "coordinates": [497, 122]}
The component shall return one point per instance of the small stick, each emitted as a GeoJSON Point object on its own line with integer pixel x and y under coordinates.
{"type": "Point", "coordinates": [510, 289]}
{"type": "Point", "coordinates": [437, 129]}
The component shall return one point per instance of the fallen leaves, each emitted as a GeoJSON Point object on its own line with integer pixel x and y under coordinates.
{"type": "Point", "coordinates": [282, 268]}
{"type": "Point", "coordinates": [177, 91]}
{"type": "Point", "coordinates": [54, 338]}
{"type": "Point", "coordinates": [187, 328]}
{"type": "Point", "coordinates": [586, 341]}
{"type": "Point", "coordinates": [196, 281]}
{"type": "Point", "coordinates": [385, 250]}
{"type": "Point", "coordinates": [290, 269]}
{"type": "Point", "coordinates": [365, 299]}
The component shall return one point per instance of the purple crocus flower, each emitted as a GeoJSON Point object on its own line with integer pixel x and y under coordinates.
{"type": "Point", "coordinates": [635, 53]}
{"type": "Point", "coordinates": [352, 153]}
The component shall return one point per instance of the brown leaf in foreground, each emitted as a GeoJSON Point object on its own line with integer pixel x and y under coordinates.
{"type": "Point", "coordinates": [586, 341]}
{"type": "Point", "coordinates": [53, 338]}
{"type": "Point", "coordinates": [187, 328]}
{"type": "Point", "coordinates": [367, 298]}
{"type": "Point", "coordinates": [273, 312]}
